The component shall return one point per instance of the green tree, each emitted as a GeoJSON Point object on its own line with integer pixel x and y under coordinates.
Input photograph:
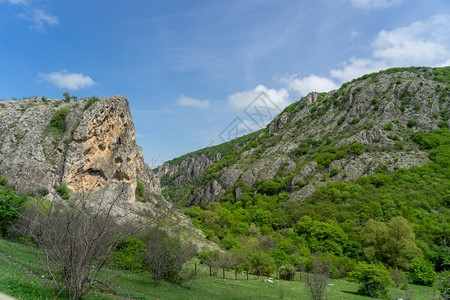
{"type": "Point", "coordinates": [375, 280]}
{"type": "Point", "coordinates": [392, 243]}
{"type": "Point", "coordinates": [421, 272]}
{"type": "Point", "coordinates": [10, 204]}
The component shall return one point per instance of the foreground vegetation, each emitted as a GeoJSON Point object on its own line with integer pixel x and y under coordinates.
{"type": "Point", "coordinates": [24, 278]}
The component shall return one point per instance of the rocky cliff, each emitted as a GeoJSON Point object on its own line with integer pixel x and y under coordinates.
{"type": "Point", "coordinates": [364, 127]}
{"type": "Point", "coordinates": [89, 145]}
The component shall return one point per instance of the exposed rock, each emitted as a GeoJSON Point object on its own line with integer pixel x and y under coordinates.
{"type": "Point", "coordinates": [358, 113]}
{"type": "Point", "coordinates": [95, 151]}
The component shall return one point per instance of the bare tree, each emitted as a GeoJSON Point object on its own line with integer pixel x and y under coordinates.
{"type": "Point", "coordinates": [316, 282]}
{"type": "Point", "coordinates": [165, 255]}
{"type": "Point", "coordinates": [77, 237]}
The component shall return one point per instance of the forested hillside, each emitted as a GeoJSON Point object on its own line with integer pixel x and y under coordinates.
{"type": "Point", "coordinates": [361, 174]}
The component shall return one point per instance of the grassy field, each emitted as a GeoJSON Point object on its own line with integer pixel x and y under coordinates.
{"type": "Point", "coordinates": [23, 277]}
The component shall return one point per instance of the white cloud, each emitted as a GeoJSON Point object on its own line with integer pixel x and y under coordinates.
{"type": "Point", "coordinates": [242, 100]}
{"type": "Point", "coordinates": [186, 101]}
{"type": "Point", "coordinates": [41, 18]}
{"type": "Point", "coordinates": [309, 84]}
{"type": "Point", "coordinates": [356, 68]}
{"type": "Point", "coordinates": [66, 80]}
{"type": "Point", "coordinates": [374, 4]}
{"type": "Point", "coordinates": [37, 16]}
{"type": "Point", "coordinates": [422, 43]}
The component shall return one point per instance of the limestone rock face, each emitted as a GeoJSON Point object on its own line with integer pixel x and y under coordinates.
{"type": "Point", "coordinates": [93, 150]}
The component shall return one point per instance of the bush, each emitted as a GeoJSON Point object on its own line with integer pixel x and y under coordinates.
{"type": "Point", "coordinates": [165, 256]}
{"type": "Point", "coordinates": [129, 255]}
{"type": "Point", "coordinates": [287, 272]}
{"type": "Point", "coordinates": [3, 181]}
{"type": "Point", "coordinates": [411, 123]}
{"type": "Point", "coordinates": [58, 122]}
{"type": "Point", "coordinates": [375, 280]}
{"type": "Point", "coordinates": [421, 272]}
{"type": "Point", "coordinates": [63, 191]}
{"type": "Point", "coordinates": [90, 101]}
{"type": "Point", "coordinates": [388, 126]}
{"type": "Point", "coordinates": [140, 190]}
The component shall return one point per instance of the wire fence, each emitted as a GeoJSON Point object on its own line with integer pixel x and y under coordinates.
{"type": "Point", "coordinates": [228, 273]}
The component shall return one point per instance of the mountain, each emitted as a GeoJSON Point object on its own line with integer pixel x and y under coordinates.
{"type": "Point", "coordinates": [334, 170]}
{"type": "Point", "coordinates": [56, 148]}
{"type": "Point", "coordinates": [342, 135]}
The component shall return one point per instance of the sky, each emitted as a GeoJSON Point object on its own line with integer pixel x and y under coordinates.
{"type": "Point", "coordinates": [198, 73]}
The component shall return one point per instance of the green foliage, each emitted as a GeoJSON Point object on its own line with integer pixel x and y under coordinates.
{"type": "Point", "coordinates": [355, 121]}
{"type": "Point", "coordinates": [269, 187]}
{"type": "Point", "coordinates": [3, 181]}
{"type": "Point", "coordinates": [355, 148]}
{"type": "Point", "coordinates": [57, 124]}
{"type": "Point", "coordinates": [321, 236]}
{"type": "Point", "coordinates": [374, 279]}
{"type": "Point", "coordinates": [443, 124]}
{"type": "Point", "coordinates": [208, 257]}
{"type": "Point", "coordinates": [442, 74]}
{"type": "Point", "coordinates": [129, 255]}
{"type": "Point", "coordinates": [388, 126]}
{"type": "Point", "coordinates": [342, 119]}
{"type": "Point", "coordinates": [411, 123]}
{"type": "Point", "coordinates": [260, 263]}
{"type": "Point", "coordinates": [63, 191]}
{"type": "Point", "coordinates": [392, 243]}
{"type": "Point", "coordinates": [69, 97]}
{"type": "Point", "coordinates": [140, 190]}
{"type": "Point", "coordinates": [421, 272]}
{"type": "Point", "coordinates": [287, 272]}
{"type": "Point", "coordinates": [324, 159]}
{"type": "Point", "coordinates": [10, 205]}
{"type": "Point", "coordinates": [90, 101]}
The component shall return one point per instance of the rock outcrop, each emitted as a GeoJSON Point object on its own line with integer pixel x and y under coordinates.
{"type": "Point", "coordinates": [365, 126]}
{"type": "Point", "coordinates": [89, 147]}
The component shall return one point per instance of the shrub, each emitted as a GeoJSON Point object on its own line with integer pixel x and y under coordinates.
{"type": "Point", "coordinates": [443, 124]}
{"type": "Point", "coordinates": [208, 257]}
{"type": "Point", "coordinates": [374, 279]}
{"type": "Point", "coordinates": [165, 256]}
{"type": "Point", "coordinates": [411, 123]}
{"type": "Point", "coordinates": [356, 148]}
{"type": "Point", "coordinates": [129, 255]}
{"type": "Point", "coordinates": [140, 190]}
{"type": "Point", "coordinates": [63, 191]}
{"type": "Point", "coordinates": [90, 101]}
{"type": "Point", "coordinates": [68, 97]}
{"type": "Point", "coordinates": [355, 120]}
{"type": "Point", "coordinates": [334, 172]}
{"type": "Point", "coordinates": [341, 120]}
{"type": "Point", "coordinates": [287, 272]}
{"type": "Point", "coordinates": [421, 272]}
{"type": "Point", "coordinates": [3, 181]}
{"type": "Point", "coordinates": [58, 122]}
{"type": "Point", "coordinates": [388, 126]}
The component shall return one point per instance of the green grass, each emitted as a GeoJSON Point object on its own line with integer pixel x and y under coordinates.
{"type": "Point", "coordinates": [17, 260]}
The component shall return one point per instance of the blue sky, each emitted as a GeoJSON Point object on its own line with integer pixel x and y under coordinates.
{"type": "Point", "coordinates": [193, 69]}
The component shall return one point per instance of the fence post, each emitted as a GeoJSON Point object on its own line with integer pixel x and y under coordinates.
{"type": "Point", "coordinates": [195, 268]}
{"type": "Point", "coordinates": [210, 271]}
{"type": "Point", "coordinates": [247, 274]}
{"type": "Point", "coordinates": [235, 274]}
{"type": "Point", "coordinates": [223, 272]}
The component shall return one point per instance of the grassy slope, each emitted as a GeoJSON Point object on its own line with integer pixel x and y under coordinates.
{"type": "Point", "coordinates": [16, 259]}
